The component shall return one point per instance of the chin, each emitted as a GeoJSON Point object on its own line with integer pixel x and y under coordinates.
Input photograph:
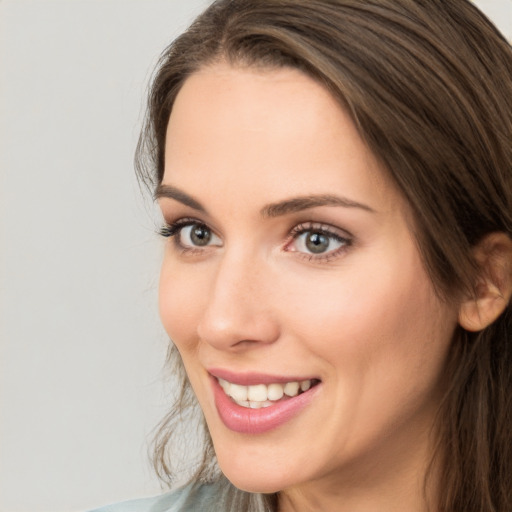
{"type": "Point", "coordinates": [255, 477]}
{"type": "Point", "coordinates": [260, 484]}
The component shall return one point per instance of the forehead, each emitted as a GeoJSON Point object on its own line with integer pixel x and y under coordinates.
{"type": "Point", "coordinates": [269, 131]}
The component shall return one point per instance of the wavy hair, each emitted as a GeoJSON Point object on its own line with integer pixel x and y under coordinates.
{"type": "Point", "coordinates": [428, 83]}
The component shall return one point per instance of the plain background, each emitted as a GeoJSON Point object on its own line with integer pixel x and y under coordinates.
{"type": "Point", "coordinates": [81, 353]}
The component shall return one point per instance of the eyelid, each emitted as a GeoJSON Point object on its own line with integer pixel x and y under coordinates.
{"type": "Point", "coordinates": [174, 230]}
{"type": "Point", "coordinates": [330, 231]}
{"type": "Point", "coordinates": [321, 227]}
{"type": "Point", "coordinates": [171, 228]}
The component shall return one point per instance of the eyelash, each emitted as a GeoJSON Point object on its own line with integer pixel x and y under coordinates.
{"type": "Point", "coordinates": [325, 230]}
{"type": "Point", "coordinates": [173, 229]}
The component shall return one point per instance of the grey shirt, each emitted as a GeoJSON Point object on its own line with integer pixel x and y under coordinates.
{"type": "Point", "coordinates": [195, 497]}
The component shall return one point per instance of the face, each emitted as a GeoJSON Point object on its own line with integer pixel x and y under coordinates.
{"type": "Point", "coordinates": [293, 287]}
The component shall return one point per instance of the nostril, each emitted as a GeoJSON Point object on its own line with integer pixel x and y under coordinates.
{"type": "Point", "coordinates": [237, 328]}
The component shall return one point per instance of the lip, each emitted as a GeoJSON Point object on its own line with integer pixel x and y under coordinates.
{"type": "Point", "coordinates": [258, 421]}
{"type": "Point", "coordinates": [253, 379]}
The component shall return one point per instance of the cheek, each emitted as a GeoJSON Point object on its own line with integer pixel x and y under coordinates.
{"type": "Point", "coordinates": [382, 337]}
{"type": "Point", "coordinates": [380, 318]}
{"type": "Point", "coordinates": [180, 304]}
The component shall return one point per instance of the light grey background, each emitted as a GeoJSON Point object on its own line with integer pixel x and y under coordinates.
{"type": "Point", "coordinates": [81, 345]}
{"type": "Point", "coordinates": [81, 348]}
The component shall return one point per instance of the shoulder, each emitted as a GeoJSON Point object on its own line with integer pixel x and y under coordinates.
{"type": "Point", "coordinates": [187, 498]}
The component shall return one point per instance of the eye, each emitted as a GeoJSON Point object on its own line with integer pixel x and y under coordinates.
{"type": "Point", "coordinates": [197, 235]}
{"type": "Point", "coordinates": [317, 241]}
{"type": "Point", "coordinates": [191, 234]}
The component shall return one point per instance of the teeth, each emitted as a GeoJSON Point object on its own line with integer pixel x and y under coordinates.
{"type": "Point", "coordinates": [257, 393]}
{"type": "Point", "coordinates": [275, 392]}
{"type": "Point", "coordinates": [238, 393]}
{"type": "Point", "coordinates": [261, 395]}
{"type": "Point", "coordinates": [259, 405]}
{"type": "Point", "coordinates": [291, 389]}
{"type": "Point", "coordinates": [305, 385]}
{"type": "Point", "coordinates": [224, 384]}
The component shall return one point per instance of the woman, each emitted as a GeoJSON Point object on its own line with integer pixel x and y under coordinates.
{"type": "Point", "coordinates": [335, 182]}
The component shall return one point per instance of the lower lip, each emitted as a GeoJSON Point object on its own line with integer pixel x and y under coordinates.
{"type": "Point", "coordinates": [258, 421]}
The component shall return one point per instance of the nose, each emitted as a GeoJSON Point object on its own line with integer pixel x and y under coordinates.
{"type": "Point", "coordinates": [239, 309]}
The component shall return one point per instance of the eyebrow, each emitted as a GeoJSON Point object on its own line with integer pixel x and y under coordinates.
{"type": "Point", "coordinates": [170, 192]}
{"type": "Point", "coordinates": [292, 205]}
{"type": "Point", "coordinates": [298, 204]}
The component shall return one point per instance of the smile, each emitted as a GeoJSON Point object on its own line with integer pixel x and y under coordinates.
{"type": "Point", "coordinates": [255, 407]}
{"type": "Point", "coordinates": [263, 395]}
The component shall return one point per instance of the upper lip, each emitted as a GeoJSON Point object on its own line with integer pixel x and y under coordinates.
{"type": "Point", "coordinates": [254, 378]}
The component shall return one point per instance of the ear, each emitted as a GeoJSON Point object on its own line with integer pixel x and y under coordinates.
{"type": "Point", "coordinates": [494, 284]}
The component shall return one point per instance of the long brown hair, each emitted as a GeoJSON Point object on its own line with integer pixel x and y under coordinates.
{"type": "Point", "coordinates": [428, 83]}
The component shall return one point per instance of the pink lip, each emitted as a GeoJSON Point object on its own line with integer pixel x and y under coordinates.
{"type": "Point", "coordinates": [252, 379]}
{"type": "Point", "coordinates": [258, 421]}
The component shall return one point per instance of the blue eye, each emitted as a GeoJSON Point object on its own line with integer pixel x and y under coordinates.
{"type": "Point", "coordinates": [317, 241]}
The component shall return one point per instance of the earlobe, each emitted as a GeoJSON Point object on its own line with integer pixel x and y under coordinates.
{"type": "Point", "coordinates": [494, 287]}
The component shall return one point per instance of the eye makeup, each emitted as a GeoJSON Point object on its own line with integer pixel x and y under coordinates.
{"type": "Point", "coordinates": [313, 241]}
{"type": "Point", "coordinates": [318, 241]}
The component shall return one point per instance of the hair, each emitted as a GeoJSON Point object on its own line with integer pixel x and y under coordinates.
{"type": "Point", "coordinates": [428, 84]}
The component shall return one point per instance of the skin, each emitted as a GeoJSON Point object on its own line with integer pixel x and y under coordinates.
{"type": "Point", "coordinates": [362, 317]}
